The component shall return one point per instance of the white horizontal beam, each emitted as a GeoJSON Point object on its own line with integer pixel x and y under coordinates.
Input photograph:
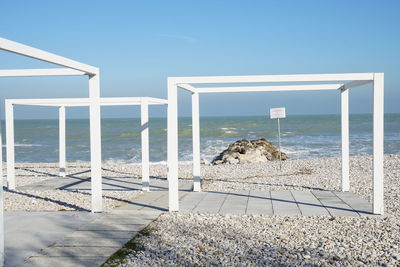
{"type": "Point", "coordinates": [156, 100]}
{"type": "Point", "coordinates": [133, 100]}
{"type": "Point", "coordinates": [269, 88]}
{"type": "Point", "coordinates": [53, 105]}
{"type": "Point", "coordinates": [127, 103]}
{"type": "Point", "coordinates": [40, 72]}
{"type": "Point", "coordinates": [188, 87]}
{"type": "Point", "coordinates": [355, 84]}
{"type": "Point", "coordinates": [274, 78]}
{"type": "Point", "coordinates": [50, 101]}
{"type": "Point", "coordinates": [84, 102]}
{"type": "Point", "coordinates": [35, 53]}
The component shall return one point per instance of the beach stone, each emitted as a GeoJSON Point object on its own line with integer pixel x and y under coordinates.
{"type": "Point", "coordinates": [243, 240]}
{"type": "Point", "coordinates": [248, 151]}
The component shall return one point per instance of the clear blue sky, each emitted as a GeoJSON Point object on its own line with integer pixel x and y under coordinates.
{"type": "Point", "coordinates": [138, 44]}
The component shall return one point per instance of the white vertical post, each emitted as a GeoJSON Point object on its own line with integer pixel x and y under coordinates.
{"type": "Point", "coordinates": [1, 202]}
{"type": "Point", "coordinates": [344, 97]}
{"type": "Point", "coordinates": [173, 184]}
{"type": "Point", "coordinates": [10, 146]}
{"type": "Point", "coordinates": [1, 154]}
{"type": "Point", "coordinates": [279, 145]}
{"type": "Point", "coordinates": [144, 115]}
{"type": "Point", "coordinates": [378, 143]}
{"type": "Point", "coordinates": [196, 142]}
{"type": "Point", "coordinates": [62, 144]}
{"type": "Point", "coordinates": [95, 143]}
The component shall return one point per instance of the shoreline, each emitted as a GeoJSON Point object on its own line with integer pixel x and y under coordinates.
{"type": "Point", "coordinates": [187, 162]}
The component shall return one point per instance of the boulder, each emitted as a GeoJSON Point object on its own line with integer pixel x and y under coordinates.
{"type": "Point", "coordinates": [245, 151]}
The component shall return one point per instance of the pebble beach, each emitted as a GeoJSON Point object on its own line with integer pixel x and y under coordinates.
{"type": "Point", "coordinates": [250, 240]}
{"type": "Point", "coordinates": [204, 239]}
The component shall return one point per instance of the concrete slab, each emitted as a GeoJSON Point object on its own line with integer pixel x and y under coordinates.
{"type": "Point", "coordinates": [322, 193]}
{"type": "Point", "coordinates": [361, 206]}
{"type": "Point", "coordinates": [77, 252]}
{"type": "Point", "coordinates": [101, 226]}
{"type": "Point", "coordinates": [211, 203]}
{"type": "Point", "coordinates": [118, 220]}
{"type": "Point", "coordinates": [101, 234]}
{"type": "Point", "coordinates": [160, 203]}
{"type": "Point", "coordinates": [308, 204]}
{"type": "Point", "coordinates": [26, 233]}
{"type": "Point", "coordinates": [334, 205]}
{"type": "Point", "coordinates": [259, 203]}
{"type": "Point", "coordinates": [144, 201]}
{"type": "Point", "coordinates": [136, 213]}
{"type": "Point", "coordinates": [45, 261]}
{"type": "Point", "coordinates": [190, 201]}
{"type": "Point", "coordinates": [284, 204]}
{"type": "Point", "coordinates": [235, 203]}
{"type": "Point", "coordinates": [84, 242]}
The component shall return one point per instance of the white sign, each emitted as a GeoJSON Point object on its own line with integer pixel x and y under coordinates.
{"type": "Point", "coordinates": [277, 113]}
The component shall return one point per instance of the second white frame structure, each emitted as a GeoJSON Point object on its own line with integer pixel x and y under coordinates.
{"type": "Point", "coordinates": [299, 82]}
{"type": "Point", "coordinates": [62, 103]}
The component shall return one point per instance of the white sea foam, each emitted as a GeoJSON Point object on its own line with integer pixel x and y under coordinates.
{"type": "Point", "coordinates": [24, 145]}
{"type": "Point", "coordinates": [287, 134]}
{"type": "Point", "coordinates": [212, 148]}
{"type": "Point", "coordinates": [139, 163]}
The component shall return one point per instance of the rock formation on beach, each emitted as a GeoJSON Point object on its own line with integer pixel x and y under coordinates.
{"type": "Point", "coordinates": [245, 151]}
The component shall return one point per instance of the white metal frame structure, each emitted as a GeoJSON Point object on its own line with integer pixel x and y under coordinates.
{"type": "Point", "coordinates": [300, 82]}
{"type": "Point", "coordinates": [69, 68]}
{"type": "Point", "coordinates": [143, 102]}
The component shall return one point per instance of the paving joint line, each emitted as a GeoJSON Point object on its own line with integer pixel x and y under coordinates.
{"type": "Point", "coordinates": [198, 203]}
{"type": "Point", "coordinates": [223, 202]}
{"type": "Point", "coordinates": [272, 203]}
{"type": "Point", "coordinates": [347, 204]}
{"type": "Point", "coordinates": [322, 204]}
{"type": "Point", "coordinates": [151, 201]}
{"type": "Point", "coordinates": [297, 204]}
{"type": "Point", "coordinates": [247, 202]}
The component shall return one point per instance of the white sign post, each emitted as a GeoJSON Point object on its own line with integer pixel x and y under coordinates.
{"type": "Point", "coordinates": [278, 113]}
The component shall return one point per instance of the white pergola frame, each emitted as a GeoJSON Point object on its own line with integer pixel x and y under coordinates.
{"type": "Point", "coordinates": [62, 103]}
{"type": "Point", "coordinates": [69, 68]}
{"type": "Point", "coordinates": [341, 82]}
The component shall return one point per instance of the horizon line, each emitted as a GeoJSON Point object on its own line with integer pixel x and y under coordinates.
{"type": "Point", "coordinates": [208, 116]}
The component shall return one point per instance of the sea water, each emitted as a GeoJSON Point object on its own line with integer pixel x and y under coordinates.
{"type": "Point", "coordinates": [303, 136]}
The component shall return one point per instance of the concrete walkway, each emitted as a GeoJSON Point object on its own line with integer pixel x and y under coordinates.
{"type": "Point", "coordinates": [26, 233]}
{"type": "Point", "coordinates": [283, 203]}
{"type": "Point", "coordinates": [90, 241]}
{"type": "Point", "coordinates": [96, 239]}
{"type": "Point", "coordinates": [93, 243]}
{"type": "Point", "coordinates": [289, 202]}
